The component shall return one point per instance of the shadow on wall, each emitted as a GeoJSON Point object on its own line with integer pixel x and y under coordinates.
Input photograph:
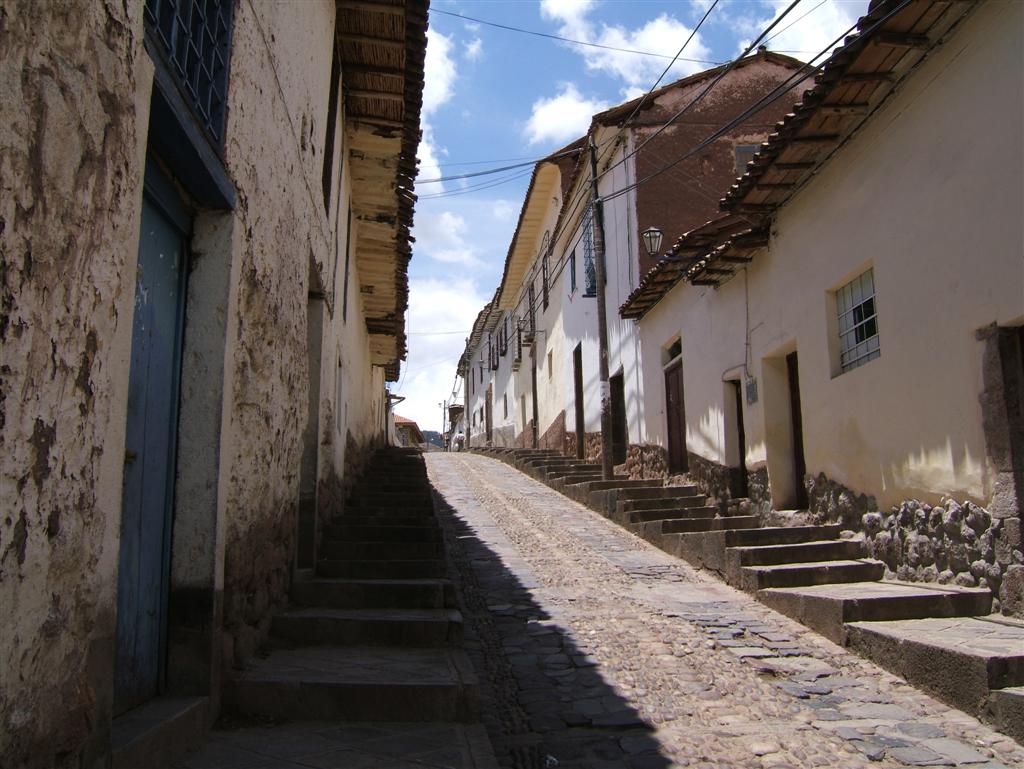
{"type": "Point", "coordinates": [545, 703]}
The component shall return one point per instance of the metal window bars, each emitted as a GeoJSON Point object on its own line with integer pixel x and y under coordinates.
{"type": "Point", "coordinates": [196, 37]}
{"type": "Point", "coordinates": [589, 270]}
{"type": "Point", "coordinates": [857, 318]}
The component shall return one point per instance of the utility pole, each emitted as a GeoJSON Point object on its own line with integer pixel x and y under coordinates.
{"type": "Point", "coordinates": [607, 460]}
{"type": "Point", "coordinates": [465, 383]}
{"type": "Point", "coordinates": [444, 442]}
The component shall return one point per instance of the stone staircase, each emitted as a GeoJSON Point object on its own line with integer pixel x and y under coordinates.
{"type": "Point", "coordinates": [374, 634]}
{"type": "Point", "coordinates": [813, 575]}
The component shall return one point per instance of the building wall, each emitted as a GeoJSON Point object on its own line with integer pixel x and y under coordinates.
{"type": "Point", "coordinates": [72, 138]}
{"type": "Point", "coordinates": [74, 133]}
{"type": "Point", "coordinates": [907, 425]}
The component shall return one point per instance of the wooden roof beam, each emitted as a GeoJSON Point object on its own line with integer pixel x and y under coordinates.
{"type": "Point", "coordinates": [383, 42]}
{"type": "Point", "coordinates": [368, 94]}
{"type": "Point", "coordinates": [901, 40]}
{"type": "Point", "coordinates": [858, 108]}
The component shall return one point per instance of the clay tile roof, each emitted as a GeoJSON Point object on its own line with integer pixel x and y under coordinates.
{"type": "Point", "coordinates": [381, 46]}
{"type": "Point", "coordinates": [891, 41]}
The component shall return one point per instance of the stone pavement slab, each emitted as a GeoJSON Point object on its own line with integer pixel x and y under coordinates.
{"type": "Point", "coordinates": [667, 681]}
{"type": "Point", "coordinates": [333, 745]}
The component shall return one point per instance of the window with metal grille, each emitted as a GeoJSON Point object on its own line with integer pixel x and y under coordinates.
{"type": "Point", "coordinates": [857, 317]}
{"type": "Point", "coordinates": [196, 37]}
{"type": "Point", "coordinates": [589, 271]}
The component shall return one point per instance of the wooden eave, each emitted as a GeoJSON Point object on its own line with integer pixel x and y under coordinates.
{"type": "Point", "coordinates": [382, 45]}
{"type": "Point", "coordinates": [546, 179]}
{"type": "Point", "coordinates": [892, 39]}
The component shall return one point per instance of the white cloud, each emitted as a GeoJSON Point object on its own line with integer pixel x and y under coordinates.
{"type": "Point", "coordinates": [662, 35]}
{"type": "Point", "coordinates": [435, 305]}
{"type": "Point", "coordinates": [442, 236]}
{"type": "Point", "coordinates": [808, 35]}
{"type": "Point", "coordinates": [439, 72]}
{"type": "Point", "coordinates": [473, 49]}
{"type": "Point", "coordinates": [430, 165]}
{"type": "Point", "coordinates": [504, 210]}
{"type": "Point", "coordinates": [562, 117]}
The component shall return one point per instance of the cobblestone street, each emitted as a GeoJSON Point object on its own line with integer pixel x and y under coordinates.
{"type": "Point", "coordinates": [597, 650]}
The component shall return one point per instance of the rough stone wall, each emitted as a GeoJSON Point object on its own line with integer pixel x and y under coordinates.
{"type": "Point", "coordinates": [832, 502]}
{"type": "Point", "coordinates": [554, 436]}
{"type": "Point", "coordinates": [73, 74]}
{"type": "Point", "coordinates": [713, 479]}
{"type": "Point", "coordinates": [281, 216]}
{"type": "Point", "coordinates": [644, 461]}
{"type": "Point", "coordinates": [950, 543]}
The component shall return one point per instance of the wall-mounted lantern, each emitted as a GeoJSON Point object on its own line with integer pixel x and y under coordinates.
{"type": "Point", "coordinates": [652, 240]}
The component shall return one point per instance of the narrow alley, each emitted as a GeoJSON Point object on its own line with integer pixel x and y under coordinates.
{"type": "Point", "coordinates": [594, 649]}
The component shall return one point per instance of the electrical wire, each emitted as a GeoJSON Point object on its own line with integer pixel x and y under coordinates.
{"type": "Point", "coordinates": [476, 187]}
{"type": "Point", "coordinates": [533, 162]}
{"type": "Point", "coordinates": [763, 102]}
{"type": "Point", "coordinates": [675, 58]}
{"type": "Point", "coordinates": [563, 39]}
{"type": "Point", "coordinates": [700, 96]}
{"type": "Point", "coordinates": [798, 19]}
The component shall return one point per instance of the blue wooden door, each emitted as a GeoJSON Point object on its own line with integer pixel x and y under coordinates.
{"type": "Point", "coordinates": [144, 561]}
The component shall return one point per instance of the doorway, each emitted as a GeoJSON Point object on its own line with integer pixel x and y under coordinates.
{"type": "Point", "coordinates": [533, 382]}
{"type": "Point", "coordinates": [577, 385]}
{"type": "Point", "coordinates": [150, 445]}
{"type": "Point", "coordinates": [620, 435]}
{"type": "Point", "coordinates": [799, 464]}
{"type": "Point", "coordinates": [675, 415]}
{"type": "Point", "coordinates": [489, 414]}
{"type": "Point", "coordinates": [739, 484]}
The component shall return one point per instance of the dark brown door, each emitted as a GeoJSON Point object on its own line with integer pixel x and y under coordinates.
{"type": "Point", "coordinates": [533, 381]}
{"type": "Point", "coordinates": [740, 483]}
{"type": "Point", "coordinates": [489, 414]}
{"type": "Point", "coordinates": [620, 436]}
{"type": "Point", "coordinates": [675, 414]}
{"type": "Point", "coordinates": [577, 383]}
{"type": "Point", "coordinates": [799, 465]}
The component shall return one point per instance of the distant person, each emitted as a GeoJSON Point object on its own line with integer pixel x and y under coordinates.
{"type": "Point", "coordinates": [458, 440]}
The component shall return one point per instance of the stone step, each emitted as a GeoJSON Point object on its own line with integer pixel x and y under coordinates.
{"type": "Point", "coordinates": [677, 514]}
{"type": "Point", "coordinates": [385, 531]}
{"type": "Point", "coordinates": [390, 569]}
{"type": "Point", "coordinates": [357, 683]}
{"type": "Point", "coordinates": [358, 518]}
{"type": "Point", "coordinates": [418, 500]}
{"type": "Point", "coordinates": [709, 524]}
{"type": "Point", "coordinates": [1006, 711]}
{"type": "Point", "coordinates": [633, 483]}
{"type": "Point", "coordinates": [782, 535]}
{"type": "Point", "coordinates": [340, 593]}
{"type": "Point", "coordinates": [797, 552]}
{"type": "Point", "coordinates": [656, 492]}
{"type": "Point", "coordinates": [369, 627]}
{"type": "Point", "coordinates": [826, 608]}
{"type": "Point", "coordinates": [389, 486]}
{"type": "Point", "coordinates": [662, 503]}
{"type": "Point", "coordinates": [753, 578]}
{"type": "Point", "coordinates": [959, 660]}
{"type": "Point", "coordinates": [375, 551]}
{"type": "Point", "coordinates": [156, 733]}
{"type": "Point", "coordinates": [572, 476]}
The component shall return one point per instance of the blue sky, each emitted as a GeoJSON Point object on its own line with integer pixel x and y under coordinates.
{"type": "Point", "coordinates": [493, 97]}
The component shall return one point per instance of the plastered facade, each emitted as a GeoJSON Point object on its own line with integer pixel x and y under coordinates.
{"type": "Point", "coordinates": [907, 425]}
{"type": "Point", "coordinates": [72, 159]}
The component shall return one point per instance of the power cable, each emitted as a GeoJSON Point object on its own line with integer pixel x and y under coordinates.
{"type": "Point", "coordinates": [763, 102]}
{"type": "Point", "coordinates": [799, 18]}
{"type": "Point", "coordinates": [675, 58]}
{"type": "Point", "coordinates": [564, 39]}
{"type": "Point", "coordinates": [700, 96]}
